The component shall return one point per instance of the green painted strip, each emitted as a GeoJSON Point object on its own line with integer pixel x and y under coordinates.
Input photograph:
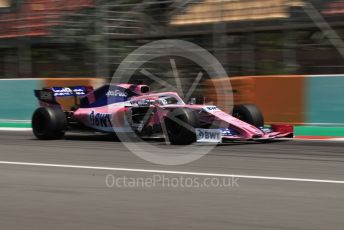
{"type": "Point", "coordinates": [14, 125]}
{"type": "Point", "coordinates": [319, 131]}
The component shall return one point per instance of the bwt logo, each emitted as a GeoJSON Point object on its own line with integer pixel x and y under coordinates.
{"type": "Point", "coordinates": [209, 135]}
{"type": "Point", "coordinates": [100, 119]}
{"type": "Point", "coordinates": [211, 108]}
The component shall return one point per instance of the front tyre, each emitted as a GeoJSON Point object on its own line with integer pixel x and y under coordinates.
{"type": "Point", "coordinates": [49, 123]}
{"type": "Point", "coordinates": [180, 125]}
{"type": "Point", "coordinates": [250, 114]}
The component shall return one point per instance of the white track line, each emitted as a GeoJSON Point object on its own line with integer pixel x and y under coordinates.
{"type": "Point", "coordinates": [172, 172]}
{"type": "Point", "coordinates": [338, 139]}
{"type": "Point", "coordinates": [16, 129]}
{"type": "Point", "coordinates": [15, 121]}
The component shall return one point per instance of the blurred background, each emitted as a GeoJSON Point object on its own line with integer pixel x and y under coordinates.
{"type": "Point", "coordinates": [286, 56]}
{"type": "Point", "coordinates": [89, 38]}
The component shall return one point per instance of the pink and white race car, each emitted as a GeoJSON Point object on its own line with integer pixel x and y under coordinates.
{"type": "Point", "coordinates": [131, 108]}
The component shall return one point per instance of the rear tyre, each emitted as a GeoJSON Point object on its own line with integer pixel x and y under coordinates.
{"type": "Point", "coordinates": [180, 125]}
{"type": "Point", "coordinates": [49, 123]}
{"type": "Point", "coordinates": [250, 114]}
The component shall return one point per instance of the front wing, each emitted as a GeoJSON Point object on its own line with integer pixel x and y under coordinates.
{"type": "Point", "coordinates": [223, 135]}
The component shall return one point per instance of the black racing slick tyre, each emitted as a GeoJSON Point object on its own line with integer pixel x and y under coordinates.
{"type": "Point", "coordinates": [49, 123]}
{"type": "Point", "coordinates": [180, 125]}
{"type": "Point", "coordinates": [249, 114]}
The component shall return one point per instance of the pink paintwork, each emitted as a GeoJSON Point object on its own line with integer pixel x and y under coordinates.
{"type": "Point", "coordinates": [128, 108]}
{"type": "Point", "coordinates": [157, 102]}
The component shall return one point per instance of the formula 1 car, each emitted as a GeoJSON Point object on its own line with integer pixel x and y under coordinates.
{"type": "Point", "coordinates": [131, 108]}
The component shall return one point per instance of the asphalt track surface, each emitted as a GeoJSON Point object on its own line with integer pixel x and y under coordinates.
{"type": "Point", "coordinates": [55, 196]}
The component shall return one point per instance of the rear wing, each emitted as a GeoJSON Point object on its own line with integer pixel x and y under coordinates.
{"type": "Point", "coordinates": [49, 95]}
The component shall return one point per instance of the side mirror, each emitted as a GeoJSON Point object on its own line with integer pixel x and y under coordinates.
{"type": "Point", "coordinates": [144, 89]}
{"type": "Point", "coordinates": [197, 101]}
{"type": "Point", "coordinates": [192, 101]}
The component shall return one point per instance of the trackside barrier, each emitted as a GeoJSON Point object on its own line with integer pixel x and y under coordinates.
{"type": "Point", "coordinates": [313, 100]}
{"type": "Point", "coordinates": [325, 99]}
{"type": "Point", "coordinates": [17, 101]}
{"type": "Point", "coordinates": [281, 98]}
